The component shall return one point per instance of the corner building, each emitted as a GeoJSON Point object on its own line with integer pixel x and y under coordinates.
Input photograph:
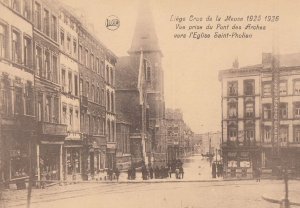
{"type": "Point", "coordinates": [247, 114]}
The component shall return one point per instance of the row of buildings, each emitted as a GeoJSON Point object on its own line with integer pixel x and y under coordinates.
{"type": "Point", "coordinates": [260, 116]}
{"type": "Point", "coordinates": [69, 106]}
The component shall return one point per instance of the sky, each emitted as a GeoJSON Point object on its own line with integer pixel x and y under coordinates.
{"type": "Point", "coordinates": [191, 66]}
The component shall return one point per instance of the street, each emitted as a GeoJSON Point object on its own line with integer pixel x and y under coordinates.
{"type": "Point", "coordinates": [195, 190]}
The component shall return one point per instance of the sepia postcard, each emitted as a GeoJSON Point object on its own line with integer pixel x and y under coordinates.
{"type": "Point", "coordinates": [148, 103]}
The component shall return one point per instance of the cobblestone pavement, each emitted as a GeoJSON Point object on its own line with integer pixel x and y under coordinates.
{"type": "Point", "coordinates": [231, 194]}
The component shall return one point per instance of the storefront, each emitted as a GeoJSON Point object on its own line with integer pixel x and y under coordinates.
{"type": "Point", "coordinates": [73, 163]}
{"type": "Point", "coordinates": [50, 161]}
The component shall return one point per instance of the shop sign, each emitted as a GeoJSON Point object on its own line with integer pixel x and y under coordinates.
{"type": "Point", "coordinates": [232, 164]}
{"type": "Point", "coordinates": [245, 164]}
{"type": "Point", "coordinates": [232, 154]}
{"type": "Point", "coordinates": [244, 155]}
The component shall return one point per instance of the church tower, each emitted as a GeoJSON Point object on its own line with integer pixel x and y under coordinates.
{"type": "Point", "coordinates": [145, 43]}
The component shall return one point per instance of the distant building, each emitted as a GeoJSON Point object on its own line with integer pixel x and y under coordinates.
{"type": "Point", "coordinates": [178, 137]}
{"type": "Point", "coordinates": [208, 142]}
{"type": "Point", "coordinates": [248, 117]}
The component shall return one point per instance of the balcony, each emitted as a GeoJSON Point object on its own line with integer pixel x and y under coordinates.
{"type": "Point", "coordinates": [84, 101]}
{"type": "Point", "coordinates": [25, 122]}
{"type": "Point", "coordinates": [52, 129]}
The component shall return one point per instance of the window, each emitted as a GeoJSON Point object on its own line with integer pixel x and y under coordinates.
{"type": "Point", "coordinates": [297, 87]}
{"type": "Point", "coordinates": [267, 89]}
{"type": "Point", "coordinates": [86, 58]}
{"type": "Point", "coordinates": [283, 110]}
{"type": "Point", "coordinates": [29, 99]}
{"type": "Point", "coordinates": [283, 134]}
{"type": "Point", "coordinates": [80, 54]}
{"type": "Point", "coordinates": [112, 102]}
{"type": "Point", "coordinates": [283, 88]}
{"type": "Point", "coordinates": [38, 55]}
{"type": "Point", "coordinates": [81, 87]}
{"type": "Point", "coordinates": [71, 118]}
{"type": "Point", "coordinates": [27, 9]}
{"type": "Point", "coordinates": [63, 80]}
{"type": "Point", "coordinates": [112, 131]}
{"type": "Point", "coordinates": [249, 110]}
{"type": "Point", "coordinates": [18, 100]}
{"type": "Point", "coordinates": [93, 93]}
{"type": "Point", "coordinates": [47, 65]}
{"type": "Point", "coordinates": [37, 15]}
{"type": "Point", "coordinates": [48, 109]}
{"type": "Point", "coordinates": [249, 135]}
{"type": "Point", "coordinates": [107, 101]}
{"type": "Point", "coordinates": [40, 107]}
{"type": "Point", "coordinates": [232, 134]}
{"type": "Point", "coordinates": [69, 44]}
{"type": "Point", "coordinates": [98, 65]}
{"type": "Point", "coordinates": [16, 47]}
{"type": "Point", "coordinates": [296, 138]}
{"type": "Point", "coordinates": [46, 22]}
{"type": "Point", "coordinates": [75, 47]}
{"type": "Point", "coordinates": [54, 68]}
{"type": "Point", "coordinates": [27, 51]}
{"type": "Point", "coordinates": [232, 88]}
{"type": "Point", "coordinates": [111, 76]}
{"type": "Point", "coordinates": [87, 89]}
{"type": "Point", "coordinates": [102, 68]}
{"type": "Point", "coordinates": [54, 27]}
{"type": "Point", "coordinates": [297, 110]}
{"type": "Point", "coordinates": [56, 110]}
{"type": "Point", "coordinates": [107, 74]}
{"type": "Point", "coordinates": [232, 112]}
{"type": "Point", "coordinates": [64, 114]}
{"type": "Point", "coordinates": [70, 86]}
{"type": "Point", "coordinates": [267, 134]}
{"type": "Point", "coordinates": [62, 39]}
{"type": "Point", "coordinates": [108, 130]}
{"type": "Point", "coordinates": [249, 87]}
{"type": "Point", "coordinates": [3, 41]}
{"type": "Point", "coordinates": [98, 95]}
{"type": "Point", "coordinates": [16, 5]}
{"type": "Point", "coordinates": [92, 62]}
{"type": "Point", "coordinates": [148, 73]}
{"type": "Point", "coordinates": [267, 111]}
{"type": "Point", "coordinates": [103, 97]}
{"type": "Point", "coordinates": [6, 99]}
{"type": "Point", "coordinates": [76, 85]}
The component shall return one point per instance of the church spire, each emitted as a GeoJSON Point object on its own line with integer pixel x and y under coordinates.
{"type": "Point", "coordinates": [144, 37]}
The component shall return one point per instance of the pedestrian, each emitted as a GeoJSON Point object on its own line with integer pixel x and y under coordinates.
{"type": "Point", "coordinates": [133, 173]}
{"type": "Point", "coordinates": [129, 173]}
{"type": "Point", "coordinates": [156, 172]}
{"type": "Point", "coordinates": [181, 172]}
{"type": "Point", "coordinates": [161, 171]}
{"type": "Point", "coordinates": [258, 173]}
{"type": "Point", "coordinates": [170, 172]}
{"type": "Point", "coordinates": [177, 173]}
{"type": "Point", "coordinates": [144, 172]}
{"type": "Point", "coordinates": [117, 172]}
{"type": "Point", "coordinates": [151, 172]}
{"type": "Point", "coordinates": [213, 170]}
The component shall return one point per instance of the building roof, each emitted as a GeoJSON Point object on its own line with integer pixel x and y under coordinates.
{"type": "Point", "coordinates": [285, 61]}
{"type": "Point", "coordinates": [144, 37]}
{"type": "Point", "coordinates": [127, 72]}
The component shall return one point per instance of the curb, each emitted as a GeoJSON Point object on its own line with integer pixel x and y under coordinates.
{"type": "Point", "coordinates": [277, 201]}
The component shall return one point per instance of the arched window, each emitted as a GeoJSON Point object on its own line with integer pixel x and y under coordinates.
{"type": "Point", "coordinates": [112, 102]}
{"type": "Point", "coordinates": [107, 101]}
{"type": "Point", "coordinates": [93, 93]}
{"type": "Point", "coordinates": [2, 40]}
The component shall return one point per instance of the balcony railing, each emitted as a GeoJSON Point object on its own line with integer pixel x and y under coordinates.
{"type": "Point", "coordinates": [54, 129]}
{"type": "Point", "coordinates": [111, 145]}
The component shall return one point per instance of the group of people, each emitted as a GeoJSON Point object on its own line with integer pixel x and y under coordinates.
{"type": "Point", "coordinates": [158, 172]}
{"type": "Point", "coordinates": [111, 172]}
{"type": "Point", "coordinates": [217, 169]}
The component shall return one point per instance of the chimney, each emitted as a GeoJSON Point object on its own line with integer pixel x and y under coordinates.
{"type": "Point", "coordinates": [266, 60]}
{"type": "Point", "coordinates": [235, 64]}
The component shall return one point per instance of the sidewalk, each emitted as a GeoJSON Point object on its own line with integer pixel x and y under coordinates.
{"type": "Point", "coordinates": [276, 197]}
